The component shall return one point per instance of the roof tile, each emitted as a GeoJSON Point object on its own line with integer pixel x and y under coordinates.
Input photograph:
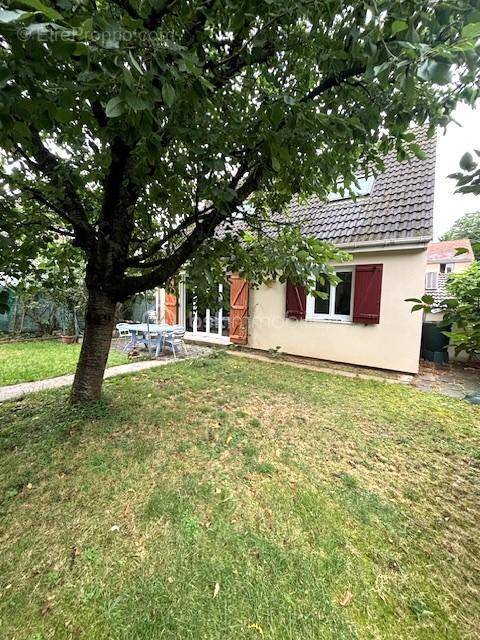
{"type": "Point", "coordinates": [445, 251]}
{"type": "Point", "coordinates": [400, 205]}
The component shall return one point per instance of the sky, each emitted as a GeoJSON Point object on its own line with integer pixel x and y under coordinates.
{"type": "Point", "coordinates": [459, 138]}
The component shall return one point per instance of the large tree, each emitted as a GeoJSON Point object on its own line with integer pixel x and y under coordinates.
{"type": "Point", "coordinates": [136, 128]}
{"type": "Point", "coordinates": [467, 226]}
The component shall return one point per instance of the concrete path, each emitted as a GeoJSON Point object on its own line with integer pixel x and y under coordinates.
{"type": "Point", "coordinates": [15, 391]}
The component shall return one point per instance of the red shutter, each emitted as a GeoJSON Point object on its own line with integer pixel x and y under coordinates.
{"type": "Point", "coordinates": [238, 309]}
{"type": "Point", "coordinates": [296, 301]}
{"type": "Point", "coordinates": [170, 308]}
{"type": "Point", "coordinates": [368, 292]}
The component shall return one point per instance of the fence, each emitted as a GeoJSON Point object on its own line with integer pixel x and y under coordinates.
{"type": "Point", "coordinates": [43, 316]}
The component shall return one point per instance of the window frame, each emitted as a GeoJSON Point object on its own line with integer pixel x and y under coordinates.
{"type": "Point", "coordinates": [431, 276]}
{"type": "Point", "coordinates": [364, 188]}
{"type": "Point", "coordinates": [331, 316]}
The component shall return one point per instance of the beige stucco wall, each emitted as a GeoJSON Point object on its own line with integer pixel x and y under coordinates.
{"type": "Point", "coordinates": [394, 343]}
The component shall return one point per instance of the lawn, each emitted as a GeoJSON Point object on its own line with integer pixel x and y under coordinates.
{"type": "Point", "coordinates": [40, 359]}
{"type": "Point", "coordinates": [230, 499]}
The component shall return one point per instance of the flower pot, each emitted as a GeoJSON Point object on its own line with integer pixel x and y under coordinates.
{"type": "Point", "coordinates": [68, 339]}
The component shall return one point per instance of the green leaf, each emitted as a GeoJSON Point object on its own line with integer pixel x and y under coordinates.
{"type": "Point", "coordinates": [398, 26]}
{"type": "Point", "coordinates": [135, 64]}
{"type": "Point", "coordinates": [417, 307]}
{"type": "Point", "coordinates": [168, 94]}
{"type": "Point", "coordinates": [460, 251]}
{"type": "Point", "coordinates": [114, 107]}
{"type": "Point", "coordinates": [471, 31]}
{"type": "Point", "coordinates": [50, 12]}
{"type": "Point", "coordinates": [80, 49]}
{"type": "Point", "coordinates": [86, 28]}
{"type": "Point", "coordinates": [276, 164]}
{"type": "Point", "coordinates": [428, 299]}
{"type": "Point", "coordinates": [380, 68]}
{"type": "Point", "coordinates": [136, 103]}
{"type": "Point", "coordinates": [63, 115]}
{"type": "Point", "coordinates": [441, 73]}
{"type": "Point", "coordinates": [436, 72]}
{"type": "Point", "coordinates": [276, 114]}
{"type": "Point", "coordinates": [418, 151]}
{"type": "Point", "coordinates": [466, 162]}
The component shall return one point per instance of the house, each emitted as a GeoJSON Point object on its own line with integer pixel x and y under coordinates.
{"type": "Point", "coordinates": [442, 260]}
{"type": "Point", "coordinates": [365, 319]}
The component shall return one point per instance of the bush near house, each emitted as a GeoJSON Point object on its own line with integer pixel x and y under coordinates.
{"type": "Point", "coordinates": [461, 311]}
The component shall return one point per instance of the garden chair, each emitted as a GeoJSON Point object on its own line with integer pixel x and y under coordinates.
{"type": "Point", "coordinates": [125, 330]}
{"type": "Point", "coordinates": [174, 339]}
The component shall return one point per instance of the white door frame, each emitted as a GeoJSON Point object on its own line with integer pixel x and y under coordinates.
{"type": "Point", "coordinates": [206, 335]}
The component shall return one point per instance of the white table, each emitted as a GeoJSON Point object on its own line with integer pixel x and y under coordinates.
{"type": "Point", "coordinates": [147, 330]}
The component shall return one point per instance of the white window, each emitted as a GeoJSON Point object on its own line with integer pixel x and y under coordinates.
{"type": "Point", "coordinates": [447, 267]}
{"type": "Point", "coordinates": [363, 187]}
{"type": "Point", "coordinates": [338, 303]}
{"type": "Point", "coordinates": [431, 280]}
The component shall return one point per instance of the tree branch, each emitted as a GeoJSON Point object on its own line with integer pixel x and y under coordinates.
{"type": "Point", "coordinates": [334, 81]}
{"type": "Point", "coordinates": [167, 267]}
{"type": "Point", "coordinates": [193, 219]}
{"type": "Point", "coordinates": [49, 227]}
{"type": "Point", "coordinates": [156, 17]}
{"type": "Point", "coordinates": [99, 114]}
{"type": "Point", "coordinates": [57, 173]}
{"type": "Point", "coordinates": [127, 7]}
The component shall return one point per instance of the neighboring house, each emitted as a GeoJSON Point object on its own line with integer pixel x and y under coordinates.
{"type": "Point", "coordinates": [365, 320]}
{"type": "Point", "coordinates": [442, 261]}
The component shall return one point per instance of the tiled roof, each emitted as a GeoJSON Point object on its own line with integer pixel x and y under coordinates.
{"type": "Point", "coordinates": [445, 251]}
{"type": "Point", "coordinates": [400, 205]}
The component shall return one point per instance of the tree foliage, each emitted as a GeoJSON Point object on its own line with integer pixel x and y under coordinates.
{"type": "Point", "coordinates": [468, 226]}
{"type": "Point", "coordinates": [136, 129]}
{"type": "Point", "coordinates": [461, 311]}
{"type": "Point", "coordinates": [468, 178]}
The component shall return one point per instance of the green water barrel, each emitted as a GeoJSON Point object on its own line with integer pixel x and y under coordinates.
{"type": "Point", "coordinates": [434, 343]}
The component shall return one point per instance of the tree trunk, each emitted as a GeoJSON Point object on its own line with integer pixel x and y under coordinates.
{"type": "Point", "coordinates": [99, 319]}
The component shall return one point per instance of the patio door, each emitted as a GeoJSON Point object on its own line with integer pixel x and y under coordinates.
{"type": "Point", "coordinates": [209, 322]}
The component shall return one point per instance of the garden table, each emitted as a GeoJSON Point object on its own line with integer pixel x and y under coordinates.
{"type": "Point", "coordinates": [146, 331]}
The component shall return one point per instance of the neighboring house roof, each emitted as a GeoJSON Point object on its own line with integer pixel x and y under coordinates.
{"type": "Point", "coordinates": [445, 251]}
{"type": "Point", "coordinates": [399, 207]}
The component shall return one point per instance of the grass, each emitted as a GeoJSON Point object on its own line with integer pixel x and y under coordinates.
{"type": "Point", "coordinates": [36, 360]}
{"type": "Point", "coordinates": [231, 499]}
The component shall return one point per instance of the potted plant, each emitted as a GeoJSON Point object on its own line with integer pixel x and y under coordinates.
{"type": "Point", "coordinates": [70, 327]}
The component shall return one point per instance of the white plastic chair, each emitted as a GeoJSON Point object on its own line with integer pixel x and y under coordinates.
{"type": "Point", "coordinates": [175, 338]}
{"type": "Point", "coordinates": [123, 329]}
